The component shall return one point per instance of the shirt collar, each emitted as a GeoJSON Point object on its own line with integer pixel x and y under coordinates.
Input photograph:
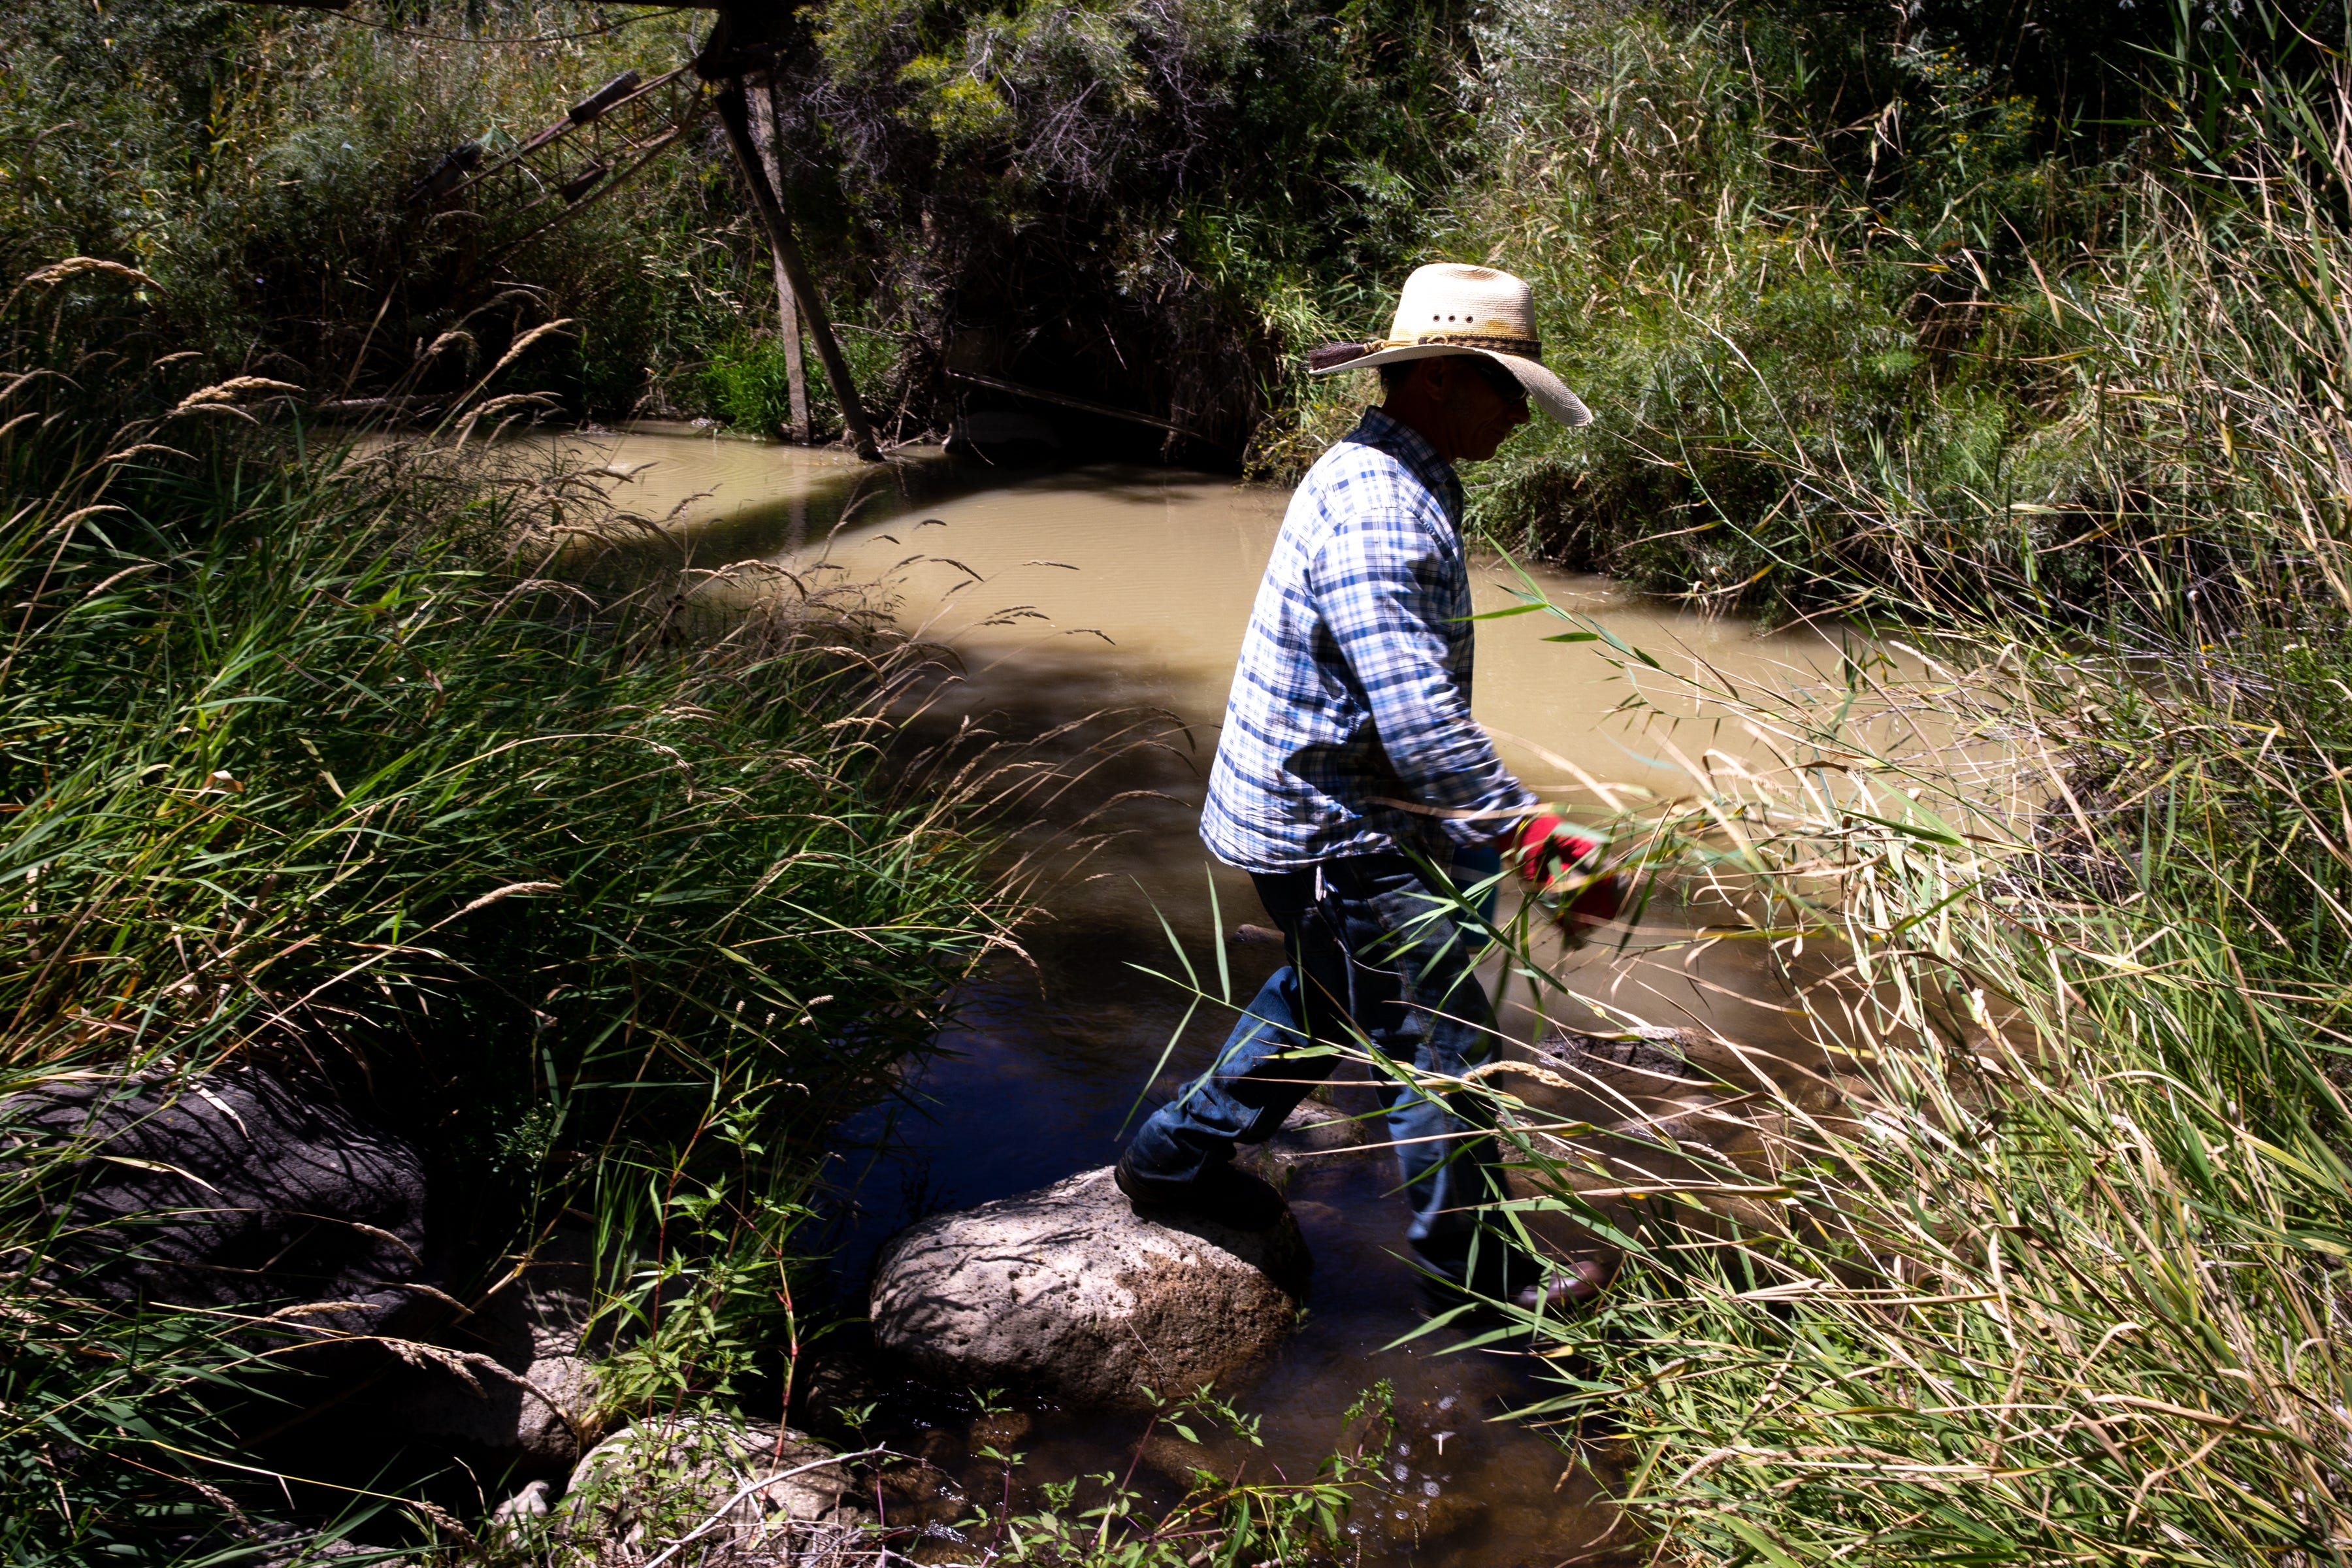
{"type": "Point", "coordinates": [1409, 446]}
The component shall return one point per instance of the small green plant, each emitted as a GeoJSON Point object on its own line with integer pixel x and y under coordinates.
{"type": "Point", "coordinates": [1105, 1521]}
{"type": "Point", "coordinates": [747, 386]}
{"type": "Point", "coordinates": [747, 383]}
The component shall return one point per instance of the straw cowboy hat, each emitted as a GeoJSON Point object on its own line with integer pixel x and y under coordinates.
{"type": "Point", "coordinates": [1449, 308]}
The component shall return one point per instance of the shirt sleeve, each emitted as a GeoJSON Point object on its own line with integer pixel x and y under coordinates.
{"type": "Point", "coordinates": [1380, 583]}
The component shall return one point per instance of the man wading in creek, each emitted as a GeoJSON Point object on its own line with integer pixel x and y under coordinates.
{"type": "Point", "coordinates": [1351, 706]}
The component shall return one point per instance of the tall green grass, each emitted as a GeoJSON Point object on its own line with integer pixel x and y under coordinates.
{"type": "Point", "coordinates": [2036, 1251]}
{"type": "Point", "coordinates": [306, 763]}
{"type": "Point", "coordinates": [1819, 344]}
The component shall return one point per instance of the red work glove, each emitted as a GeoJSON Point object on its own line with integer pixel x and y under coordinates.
{"type": "Point", "coordinates": [1550, 853]}
{"type": "Point", "coordinates": [1546, 847]}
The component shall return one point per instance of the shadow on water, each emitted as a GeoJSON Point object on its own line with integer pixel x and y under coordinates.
{"type": "Point", "coordinates": [1125, 593]}
{"type": "Point", "coordinates": [692, 500]}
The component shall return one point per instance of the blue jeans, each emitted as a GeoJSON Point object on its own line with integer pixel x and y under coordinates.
{"type": "Point", "coordinates": [1375, 959]}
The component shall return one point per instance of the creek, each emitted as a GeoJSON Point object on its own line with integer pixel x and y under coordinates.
{"type": "Point", "coordinates": [1112, 602]}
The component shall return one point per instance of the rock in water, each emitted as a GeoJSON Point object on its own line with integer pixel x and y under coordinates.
{"type": "Point", "coordinates": [1313, 1137]}
{"type": "Point", "coordinates": [1649, 1061]}
{"type": "Point", "coordinates": [698, 1481]}
{"type": "Point", "coordinates": [1068, 1291]}
{"type": "Point", "coordinates": [227, 1190]}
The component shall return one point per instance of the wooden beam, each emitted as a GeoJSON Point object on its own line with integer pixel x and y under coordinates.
{"type": "Point", "coordinates": [735, 116]}
{"type": "Point", "coordinates": [788, 326]}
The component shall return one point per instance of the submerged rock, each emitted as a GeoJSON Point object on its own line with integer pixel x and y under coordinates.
{"type": "Point", "coordinates": [1068, 1291]}
{"type": "Point", "coordinates": [1226, 1458]}
{"type": "Point", "coordinates": [227, 1190]}
{"type": "Point", "coordinates": [739, 1492]}
{"type": "Point", "coordinates": [1313, 1129]}
{"type": "Point", "coordinates": [1643, 1063]}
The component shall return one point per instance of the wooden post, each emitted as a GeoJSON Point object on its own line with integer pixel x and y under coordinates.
{"type": "Point", "coordinates": [788, 314]}
{"type": "Point", "coordinates": [736, 118]}
{"type": "Point", "coordinates": [788, 323]}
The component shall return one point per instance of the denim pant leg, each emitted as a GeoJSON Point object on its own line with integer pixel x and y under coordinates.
{"type": "Point", "coordinates": [1415, 996]}
{"type": "Point", "coordinates": [1373, 961]}
{"type": "Point", "coordinates": [1265, 1068]}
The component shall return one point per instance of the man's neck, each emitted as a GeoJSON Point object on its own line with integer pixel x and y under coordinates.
{"type": "Point", "coordinates": [1435, 450]}
{"type": "Point", "coordinates": [1420, 421]}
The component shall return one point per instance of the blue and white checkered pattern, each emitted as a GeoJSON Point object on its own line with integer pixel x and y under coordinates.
{"type": "Point", "coordinates": [1354, 679]}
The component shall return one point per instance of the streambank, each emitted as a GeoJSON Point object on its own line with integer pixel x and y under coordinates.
{"type": "Point", "coordinates": [607, 930]}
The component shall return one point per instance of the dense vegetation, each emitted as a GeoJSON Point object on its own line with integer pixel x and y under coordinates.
{"type": "Point", "coordinates": [2046, 1260]}
{"type": "Point", "coordinates": [2023, 332]}
{"type": "Point", "coordinates": [306, 766]}
{"type": "Point", "coordinates": [1143, 205]}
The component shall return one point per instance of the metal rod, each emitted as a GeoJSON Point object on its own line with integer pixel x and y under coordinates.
{"type": "Point", "coordinates": [652, 150]}
{"type": "Point", "coordinates": [735, 117]}
{"type": "Point", "coordinates": [566, 125]}
{"type": "Point", "coordinates": [1081, 404]}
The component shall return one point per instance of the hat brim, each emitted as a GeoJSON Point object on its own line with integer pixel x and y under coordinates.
{"type": "Point", "coordinates": [1545, 390]}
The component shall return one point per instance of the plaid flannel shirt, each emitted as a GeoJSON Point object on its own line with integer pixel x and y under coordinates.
{"type": "Point", "coordinates": [1354, 679]}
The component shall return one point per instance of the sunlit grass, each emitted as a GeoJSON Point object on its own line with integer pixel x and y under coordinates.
{"type": "Point", "coordinates": [306, 766]}
{"type": "Point", "coordinates": [2037, 1254]}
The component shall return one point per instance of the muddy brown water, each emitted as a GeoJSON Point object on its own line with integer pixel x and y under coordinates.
{"type": "Point", "coordinates": [1123, 595]}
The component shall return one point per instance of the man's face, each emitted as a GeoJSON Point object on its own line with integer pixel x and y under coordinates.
{"type": "Point", "coordinates": [1481, 404]}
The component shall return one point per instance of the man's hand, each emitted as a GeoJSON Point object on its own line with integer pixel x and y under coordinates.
{"type": "Point", "coordinates": [1554, 859]}
{"type": "Point", "coordinates": [1545, 846]}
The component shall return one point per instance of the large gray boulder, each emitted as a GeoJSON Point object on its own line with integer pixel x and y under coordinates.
{"type": "Point", "coordinates": [524, 1396]}
{"type": "Point", "coordinates": [1068, 1291]}
{"type": "Point", "coordinates": [230, 1189]}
